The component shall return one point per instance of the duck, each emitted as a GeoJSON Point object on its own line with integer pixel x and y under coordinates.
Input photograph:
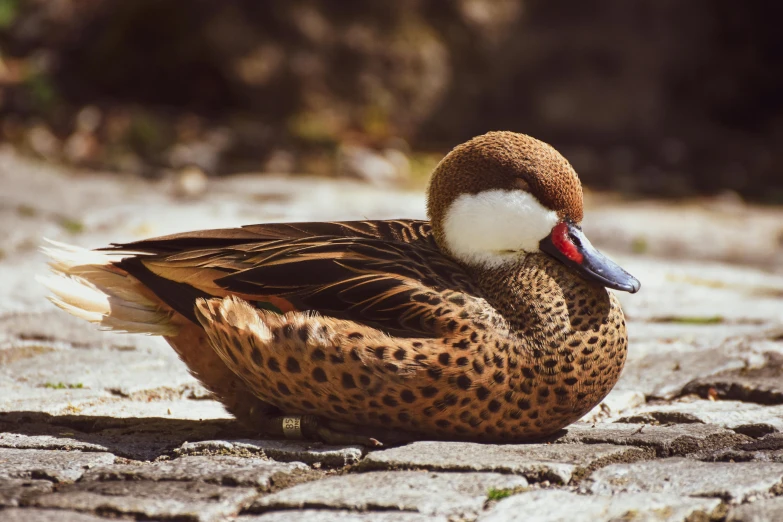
{"type": "Point", "coordinates": [492, 321]}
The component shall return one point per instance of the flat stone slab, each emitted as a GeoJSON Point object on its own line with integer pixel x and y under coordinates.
{"type": "Point", "coordinates": [143, 447]}
{"type": "Point", "coordinates": [133, 438]}
{"type": "Point", "coordinates": [667, 441]}
{"type": "Point", "coordinates": [56, 466]}
{"type": "Point", "coordinates": [764, 510]}
{"type": "Point", "coordinates": [558, 463]}
{"type": "Point", "coordinates": [15, 491]}
{"type": "Point", "coordinates": [314, 453]}
{"type": "Point", "coordinates": [63, 441]}
{"type": "Point", "coordinates": [428, 493]}
{"type": "Point", "coordinates": [47, 515]}
{"type": "Point", "coordinates": [139, 408]}
{"type": "Point", "coordinates": [77, 377]}
{"type": "Point", "coordinates": [743, 417]}
{"type": "Point", "coordinates": [734, 482]}
{"type": "Point", "coordinates": [663, 370]}
{"type": "Point", "coordinates": [614, 405]}
{"type": "Point", "coordinates": [738, 387]}
{"type": "Point", "coordinates": [228, 471]}
{"type": "Point", "coordinates": [760, 385]}
{"type": "Point", "coordinates": [191, 501]}
{"type": "Point", "coordinates": [767, 449]}
{"type": "Point", "coordinates": [556, 506]}
{"type": "Point", "coordinates": [336, 515]}
{"type": "Point", "coordinates": [694, 334]}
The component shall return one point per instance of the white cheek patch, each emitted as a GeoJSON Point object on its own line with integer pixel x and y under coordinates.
{"type": "Point", "coordinates": [495, 227]}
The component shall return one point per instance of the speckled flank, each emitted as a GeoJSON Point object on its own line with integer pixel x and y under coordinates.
{"type": "Point", "coordinates": [489, 377]}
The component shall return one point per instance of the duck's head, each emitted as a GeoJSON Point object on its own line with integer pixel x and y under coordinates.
{"type": "Point", "coordinates": [503, 195]}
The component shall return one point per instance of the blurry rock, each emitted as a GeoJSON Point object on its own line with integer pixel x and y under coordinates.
{"type": "Point", "coordinates": [317, 163]}
{"type": "Point", "coordinates": [389, 167]}
{"type": "Point", "coordinates": [129, 163]}
{"type": "Point", "coordinates": [118, 122]}
{"type": "Point", "coordinates": [4, 70]}
{"type": "Point", "coordinates": [491, 18]}
{"type": "Point", "coordinates": [312, 23]}
{"type": "Point", "coordinates": [727, 201]}
{"type": "Point", "coordinates": [88, 119]}
{"type": "Point", "coordinates": [260, 65]}
{"type": "Point", "coordinates": [12, 128]}
{"type": "Point", "coordinates": [43, 142]}
{"type": "Point", "coordinates": [204, 153]}
{"type": "Point", "coordinates": [398, 143]}
{"type": "Point", "coordinates": [189, 127]}
{"type": "Point", "coordinates": [400, 161]}
{"type": "Point", "coordinates": [190, 183]}
{"type": "Point", "coordinates": [280, 162]}
{"type": "Point", "coordinates": [81, 147]}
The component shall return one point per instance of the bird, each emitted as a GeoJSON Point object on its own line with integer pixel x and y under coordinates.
{"type": "Point", "coordinates": [492, 321]}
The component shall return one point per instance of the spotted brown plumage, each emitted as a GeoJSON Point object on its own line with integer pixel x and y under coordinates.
{"type": "Point", "coordinates": [442, 329]}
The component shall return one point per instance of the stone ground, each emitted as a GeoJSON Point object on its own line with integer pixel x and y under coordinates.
{"type": "Point", "coordinates": [96, 425]}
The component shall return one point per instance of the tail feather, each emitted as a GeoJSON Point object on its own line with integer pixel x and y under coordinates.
{"type": "Point", "coordinates": [88, 285]}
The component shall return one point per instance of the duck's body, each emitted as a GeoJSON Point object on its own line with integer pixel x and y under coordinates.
{"type": "Point", "coordinates": [381, 324]}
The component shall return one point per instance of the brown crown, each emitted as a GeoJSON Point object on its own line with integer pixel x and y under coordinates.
{"type": "Point", "coordinates": [504, 160]}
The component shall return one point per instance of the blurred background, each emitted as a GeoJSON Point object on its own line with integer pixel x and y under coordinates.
{"type": "Point", "coordinates": [127, 119]}
{"type": "Point", "coordinates": [651, 97]}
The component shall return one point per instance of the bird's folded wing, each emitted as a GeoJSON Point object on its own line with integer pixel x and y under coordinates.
{"type": "Point", "coordinates": [386, 274]}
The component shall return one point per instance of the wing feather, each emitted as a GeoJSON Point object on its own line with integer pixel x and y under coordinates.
{"type": "Point", "coordinates": [386, 274]}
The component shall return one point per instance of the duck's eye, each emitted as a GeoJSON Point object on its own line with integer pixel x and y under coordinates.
{"type": "Point", "coordinates": [521, 184]}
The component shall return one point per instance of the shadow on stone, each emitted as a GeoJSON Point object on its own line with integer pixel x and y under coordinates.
{"type": "Point", "coordinates": [144, 438]}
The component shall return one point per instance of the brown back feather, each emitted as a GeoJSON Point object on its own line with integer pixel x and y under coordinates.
{"type": "Point", "coordinates": [386, 274]}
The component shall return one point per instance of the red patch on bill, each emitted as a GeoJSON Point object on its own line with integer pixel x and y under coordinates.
{"type": "Point", "coordinates": [564, 244]}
